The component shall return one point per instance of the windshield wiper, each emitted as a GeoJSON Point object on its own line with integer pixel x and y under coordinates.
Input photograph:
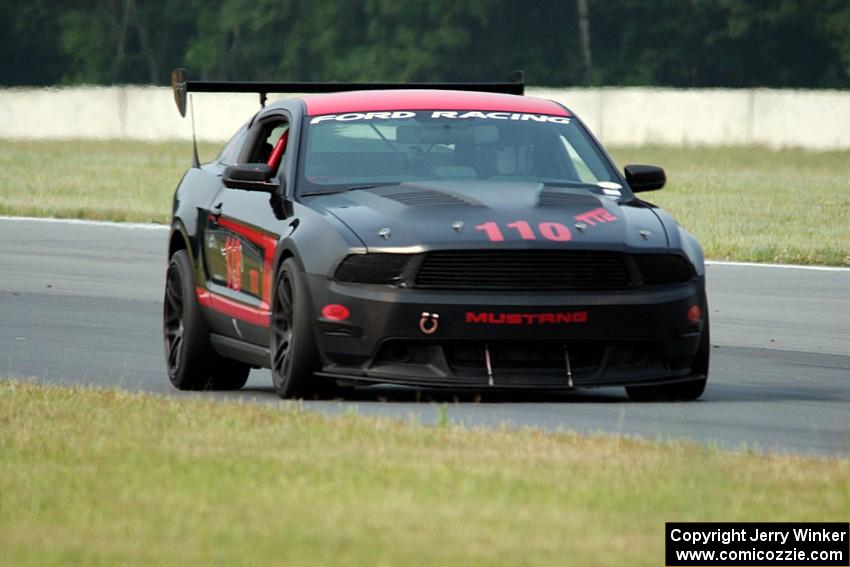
{"type": "Point", "coordinates": [335, 191]}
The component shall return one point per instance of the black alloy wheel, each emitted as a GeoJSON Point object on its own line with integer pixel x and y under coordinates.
{"type": "Point", "coordinates": [680, 391]}
{"type": "Point", "coordinates": [173, 327]}
{"type": "Point", "coordinates": [282, 326]}
{"type": "Point", "coordinates": [292, 349]}
{"type": "Point", "coordinates": [191, 360]}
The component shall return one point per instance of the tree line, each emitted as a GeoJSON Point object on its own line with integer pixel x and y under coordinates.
{"type": "Point", "coordinates": [681, 43]}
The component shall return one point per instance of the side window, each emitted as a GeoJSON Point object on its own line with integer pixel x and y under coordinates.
{"type": "Point", "coordinates": [230, 153]}
{"type": "Point", "coordinates": [270, 142]}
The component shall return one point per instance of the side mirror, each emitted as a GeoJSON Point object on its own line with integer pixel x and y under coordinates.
{"type": "Point", "coordinates": [250, 177]}
{"type": "Point", "coordinates": [645, 177]}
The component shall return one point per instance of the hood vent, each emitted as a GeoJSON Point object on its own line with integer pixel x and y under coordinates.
{"type": "Point", "coordinates": [418, 196]}
{"type": "Point", "coordinates": [550, 198]}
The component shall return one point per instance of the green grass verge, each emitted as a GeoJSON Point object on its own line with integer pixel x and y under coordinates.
{"type": "Point", "coordinates": [110, 180]}
{"type": "Point", "coordinates": [754, 204]}
{"type": "Point", "coordinates": [106, 477]}
{"type": "Point", "coordinates": [743, 203]}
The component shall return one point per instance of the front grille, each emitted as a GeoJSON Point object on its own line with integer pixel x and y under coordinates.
{"type": "Point", "coordinates": [524, 270]}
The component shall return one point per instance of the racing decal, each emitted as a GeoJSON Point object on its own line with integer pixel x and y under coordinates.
{"type": "Point", "coordinates": [267, 244]}
{"type": "Point", "coordinates": [554, 231]}
{"type": "Point", "coordinates": [364, 116]}
{"type": "Point", "coordinates": [596, 216]}
{"type": "Point", "coordinates": [254, 277]}
{"type": "Point", "coordinates": [521, 116]}
{"type": "Point", "coordinates": [449, 114]}
{"type": "Point", "coordinates": [234, 248]}
{"type": "Point", "coordinates": [489, 318]}
{"type": "Point", "coordinates": [232, 252]}
{"type": "Point", "coordinates": [523, 228]}
{"type": "Point", "coordinates": [494, 234]}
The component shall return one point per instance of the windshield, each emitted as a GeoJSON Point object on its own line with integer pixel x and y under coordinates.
{"type": "Point", "coordinates": [380, 148]}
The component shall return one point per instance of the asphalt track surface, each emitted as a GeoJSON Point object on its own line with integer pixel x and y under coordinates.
{"type": "Point", "coordinates": [80, 303]}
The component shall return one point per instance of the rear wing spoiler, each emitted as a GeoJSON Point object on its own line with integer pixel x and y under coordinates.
{"type": "Point", "coordinates": [182, 87]}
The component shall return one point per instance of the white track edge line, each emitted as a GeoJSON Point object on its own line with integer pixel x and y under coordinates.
{"type": "Point", "coordinates": [154, 226]}
{"type": "Point", "coordinates": [129, 225]}
{"type": "Point", "coordinates": [780, 266]}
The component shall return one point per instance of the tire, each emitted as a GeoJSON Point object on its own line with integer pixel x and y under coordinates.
{"type": "Point", "coordinates": [681, 391]}
{"type": "Point", "coordinates": [292, 347]}
{"type": "Point", "coordinates": [191, 361]}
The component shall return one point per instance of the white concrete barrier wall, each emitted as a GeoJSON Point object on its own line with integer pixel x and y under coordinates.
{"type": "Point", "coordinates": [625, 116]}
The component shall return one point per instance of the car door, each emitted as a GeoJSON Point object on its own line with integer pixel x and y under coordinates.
{"type": "Point", "coordinates": [240, 236]}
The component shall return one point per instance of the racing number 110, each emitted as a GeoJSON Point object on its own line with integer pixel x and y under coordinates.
{"type": "Point", "coordinates": [548, 230]}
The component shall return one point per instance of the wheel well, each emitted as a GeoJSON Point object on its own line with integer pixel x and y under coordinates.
{"type": "Point", "coordinates": [176, 243]}
{"type": "Point", "coordinates": [284, 255]}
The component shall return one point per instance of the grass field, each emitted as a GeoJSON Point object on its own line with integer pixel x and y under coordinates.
{"type": "Point", "coordinates": [114, 180]}
{"type": "Point", "coordinates": [754, 204]}
{"type": "Point", "coordinates": [105, 477]}
{"type": "Point", "coordinates": [743, 203]}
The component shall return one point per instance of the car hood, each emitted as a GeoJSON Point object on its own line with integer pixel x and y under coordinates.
{"type": "Point", "coordinates": [416, 217]}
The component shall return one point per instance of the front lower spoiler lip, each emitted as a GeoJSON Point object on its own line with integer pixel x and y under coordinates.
{"type": "Point", "coordinates": [383, 314]}
{"type": "Point", "coordinates": [366, 379]}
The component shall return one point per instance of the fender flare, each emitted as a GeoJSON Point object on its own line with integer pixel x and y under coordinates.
{"type": "Point", "coordinates": [286, 248]}
{"type": "Point", "coordinates": [177, 227]}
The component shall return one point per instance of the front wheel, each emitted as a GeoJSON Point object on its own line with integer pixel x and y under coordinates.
{"type": "Point", "coordinates": [292, 349]}
{"type": "Point", "coordinates": [683, 391]}
{"type": "Point", "coordinates": [192, 363]}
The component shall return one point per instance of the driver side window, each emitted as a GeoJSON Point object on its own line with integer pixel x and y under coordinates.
{"type": "Point", "coordinates": [270, 143]}
{"type": "Point", "coordinates": [230, 153]}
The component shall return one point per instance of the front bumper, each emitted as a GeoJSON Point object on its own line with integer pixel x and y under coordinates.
{"type": "Point", "coordinates": [532, 339]}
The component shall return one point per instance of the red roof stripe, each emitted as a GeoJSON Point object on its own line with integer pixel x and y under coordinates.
{"type": "Point", "coordinates": [365, 101]}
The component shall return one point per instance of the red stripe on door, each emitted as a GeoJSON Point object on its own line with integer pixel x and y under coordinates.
{"type": "Point", "coordinates": [226, 306]}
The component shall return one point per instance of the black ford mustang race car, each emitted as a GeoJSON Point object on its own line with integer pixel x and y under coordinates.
{"type": "Point", "coordinates": [453, 236]}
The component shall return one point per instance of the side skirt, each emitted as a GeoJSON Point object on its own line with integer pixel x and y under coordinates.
{"type": "Point", "coordinates": [240, 350]}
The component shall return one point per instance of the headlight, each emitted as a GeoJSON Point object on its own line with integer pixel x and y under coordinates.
{"type": "Point", "coordinates": [381, 269]}
{"type": "Point", "coordinates": [659, 269]}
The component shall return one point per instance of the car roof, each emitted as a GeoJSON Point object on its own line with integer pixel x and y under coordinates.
{"type": "Point", "coordinates": [427, 99]}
